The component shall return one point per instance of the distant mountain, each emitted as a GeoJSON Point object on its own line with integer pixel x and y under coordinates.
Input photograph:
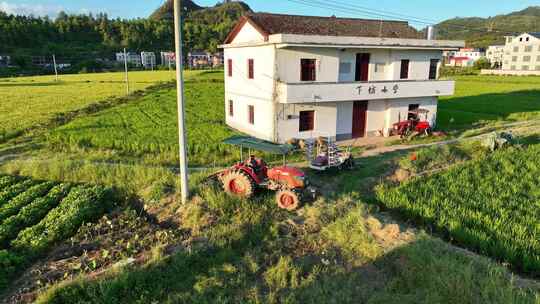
{"type": "Point", "coordinates": [166, 10]}
{"type": "Point", "coordinates": [231, 8]}
{"type": "Point", "coordinates": [482, 32]}
{"type": "Point", "coordinates": [205, 27]}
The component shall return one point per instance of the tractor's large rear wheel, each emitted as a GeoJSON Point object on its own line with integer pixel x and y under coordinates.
{"type": "Point", "coordinates": [288, 200]}
{"type": "Point", "coordinates": [239, 184]}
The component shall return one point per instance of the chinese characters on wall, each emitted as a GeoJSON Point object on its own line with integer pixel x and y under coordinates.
{"type": "Point", "coordinates": [372, 89]}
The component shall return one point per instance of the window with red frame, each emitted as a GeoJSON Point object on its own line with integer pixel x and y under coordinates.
{"type": "Point", "coordinates": [307, 121]}
{"type": "Point", "coordinates": [308, 69]}
{"type": "Point", "coordinates": [251, 114]}
{"type": "Point", "coordinates": [229, 67]}
{"type": "Point", "coordinates": [231, 108]}
{"type": "Point", "coordinates": [251, 71]}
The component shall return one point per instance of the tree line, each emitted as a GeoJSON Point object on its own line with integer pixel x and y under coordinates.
{"type": "Point", "coordinates": [100, 36]}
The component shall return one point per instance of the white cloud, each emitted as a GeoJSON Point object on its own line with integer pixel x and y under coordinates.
{"type": "Point", "coordinates": [30, 9]}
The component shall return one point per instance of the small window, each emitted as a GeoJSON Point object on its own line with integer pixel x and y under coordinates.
{"type": "Point", "coordinates": [514, 58]}
{"type": "Point", "coordinates": [537, 68]}
{"type": "Point", "coordinates": [525, 68]}
{"type": "Point", "coordinates": [307, 121]}
{"type": "Point", "coordinates": [308, 70]}
{"type": "Point", "coordinates": [513, 67]}
{"type": "Point", "coordinates": [433, 65]}
{"type": "Point", "coordinates": [528, 48]}
{"type": "Point", "coordinates": [521, 39]}
{"type": "Point", "coordinates": [251, 72]}
{"type": "Point", "coordinates": [251, 114]}
{"type": "Point", "coordinates": [526, 58]}
{"type": "Point", "coordinates": [229, 67]}
{"type": "Point", "coordinates": [404, 74]}
{"type": "Point", "coordinates": [379, 67]}
{"type": "Point", "coordinates": [516, 49]}
{"type": "Point", "coordinates": [231, 108]}
{"type": "Point", "coordinates": [527, 39]}
{"type": "Point", "coordinates": [345, 67]}
{"type": "Point", "coordinates": [538, 58]}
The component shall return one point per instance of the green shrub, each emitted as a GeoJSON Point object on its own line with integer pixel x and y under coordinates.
{"type": "Point", "coordinates": [7, 180]}
{"type": "Point", "coordinates": [32, 213]}
{"type": "Point", "coordinates": [14, 190]}
{"type": "Point", "coordinates": [23, 199]}
{"type": "Point", "coordinates": [83, 204]}
{"type": "Point", "coordinates": [9, 263]}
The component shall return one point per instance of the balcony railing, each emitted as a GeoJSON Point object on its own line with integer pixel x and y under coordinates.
{"type": "Point", "coordinates": [315, 92]}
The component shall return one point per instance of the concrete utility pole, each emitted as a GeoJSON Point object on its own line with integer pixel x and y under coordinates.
{"type": "Point", "coordinates": [126, 69]}
{"type": "Point", "coordinates": [55, 69]}
{"type": "Point", "coordinates": [180, 100]}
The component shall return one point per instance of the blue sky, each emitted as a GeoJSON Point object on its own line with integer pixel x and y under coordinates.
{"type": "Point", "coordinates": [425, 9]}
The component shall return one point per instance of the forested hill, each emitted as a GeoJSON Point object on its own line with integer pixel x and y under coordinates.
{"type": "Point", "coordinates": [482, 32]}
{"type": "Point", "coordinates": [77, 36]}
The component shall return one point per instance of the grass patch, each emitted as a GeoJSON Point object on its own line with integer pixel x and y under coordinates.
{"type": "Point", "coordinates": [31, 101]}
{"type": "Point", "coordinates": [150, 124]}
{"type": "Point", "coordinates": [487, 99]}
{"type": "Point", "coordinates": [249, 252]}
{"type": "Point", "coordinates": [489, 205]}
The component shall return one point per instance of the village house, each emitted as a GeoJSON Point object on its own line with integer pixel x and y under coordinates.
{"type": "Point", "coordinates": [303, 77]}
{"type": "Point", "coordinates": [521, 56]}
{"type": "Point", "coordinates": [132, 58]}
{"type": "Point", "coordinates": [465, 57]}
{"type": "Point", "coordinates": [148, 59]}
{"type": "Point", "coordinates": [495, 55]}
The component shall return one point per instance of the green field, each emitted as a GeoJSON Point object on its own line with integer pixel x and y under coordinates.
{"type": "Point", "coordinates": [490, 205]}
{"type": "Point", "coordinates": [486, 99]}
{"type": "Point", "coordinates": [339, 249]}
{"type": "Point", "coordinates": [36, 215]}
{"type": "Point", "coordinates": [31, 101]}
{"type": "Point", "coordinates": [150, 125]}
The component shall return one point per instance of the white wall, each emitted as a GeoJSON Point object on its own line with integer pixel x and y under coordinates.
{"type": "Point", "coordinates": [289, 69]}
{"type": "Point", "coordinates": [257, 92]}
{"type": "Point", "coordinates": [248, 33]}
{"type": "Point", "coordinates": [289, 122]}
{"type": "Point", "coordinates": [328, 63]}
{"type": "Point", "coordinates": [344, 118]}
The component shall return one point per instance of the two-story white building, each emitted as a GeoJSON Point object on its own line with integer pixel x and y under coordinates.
{"type": "Point", "coordinates": [302, 77]}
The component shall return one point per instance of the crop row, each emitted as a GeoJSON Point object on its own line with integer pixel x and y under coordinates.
{"type": "Point", "coordinates": [14, 205]}
{"type": "Point", "coordinates": [31, 214]}
{"type": "Point", "coordinates": [7, 180]}
{"type": "Point", "coordinates": [82, 204]}
{"type": "Point", "coordinates": [489, 205]}
{"type": "Point", "coordinates": [6, 194]}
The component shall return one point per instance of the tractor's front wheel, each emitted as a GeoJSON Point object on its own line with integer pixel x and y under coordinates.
{"type": "Point", "coordinates": [239, 184]}
{"type": "Point", "coordinates": [288, 200]}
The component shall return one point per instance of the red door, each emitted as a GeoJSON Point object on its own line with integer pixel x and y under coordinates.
{"type": "Point", "coordinates": [359, 119]}
{"type": "Point", "coordinates": [362, 67]}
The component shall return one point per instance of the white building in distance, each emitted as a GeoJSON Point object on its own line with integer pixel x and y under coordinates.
{"type": "Point", "coordinates": [495, 55]}
{"type": "Point", "coordinates": [148, 59]}
{"type": "Point", "coordinates": [302, 77]}
{"type": "Point", "coordinates": [132, 58]}
{"type": "Point", "coordinates": [168, 58]}
{"type": "Point", "coordinates": [522, 53]}
{"type": "Point", "coordinates": [464, 57]}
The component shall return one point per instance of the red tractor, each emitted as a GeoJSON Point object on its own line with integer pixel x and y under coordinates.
{"type": "Point", "coordinates": [413, 124]}
{"type": "Point", "coordinates": [245, 177]}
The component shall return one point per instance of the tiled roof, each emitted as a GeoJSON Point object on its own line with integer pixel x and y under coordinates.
{"type": "Point", "coordinates": [332, 26]}
{"type": "Point", "coordinates": [535, 34]}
